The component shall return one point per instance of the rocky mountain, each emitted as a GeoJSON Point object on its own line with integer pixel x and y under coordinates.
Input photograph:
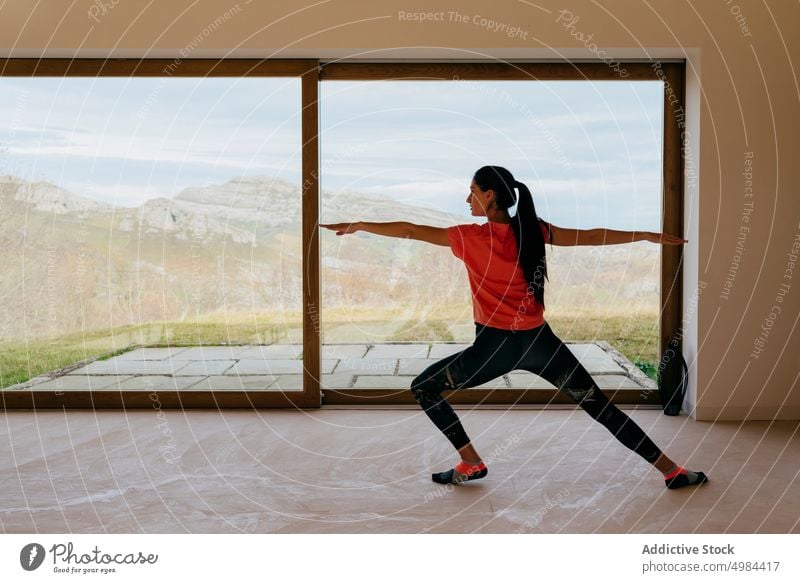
{"type": "Point", "coordinates": [45, 197]}
{"type": "Point", "coordinates": [72, 263]}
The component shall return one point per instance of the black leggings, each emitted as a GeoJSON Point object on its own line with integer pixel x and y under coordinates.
{"type": "Point", "coordinates": [496, 352]}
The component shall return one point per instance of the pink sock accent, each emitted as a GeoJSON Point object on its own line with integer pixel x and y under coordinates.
{"type": "Point", "coordinates": [469, 468]}
{"type": "Point", "coordinates": [675, 472]}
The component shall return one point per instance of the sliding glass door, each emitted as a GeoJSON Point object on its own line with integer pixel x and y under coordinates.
{"type": "Point", "coordinates": [161, 225]}
{"type": "Point", "coordinates": [401, 143]}
{"type": "Point", "coordinates": [154, 216]}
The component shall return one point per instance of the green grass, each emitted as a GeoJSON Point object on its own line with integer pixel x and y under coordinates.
{"type": "Point", "coordinates": [634, 335]}
{"type": "Point", "coordinates": [23, 360]}
{"type": "Point", "coordinates": [648, 368]}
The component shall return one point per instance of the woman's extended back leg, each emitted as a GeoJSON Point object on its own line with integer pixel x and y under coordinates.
{"type": "Point", "coordinates": [551, 359]}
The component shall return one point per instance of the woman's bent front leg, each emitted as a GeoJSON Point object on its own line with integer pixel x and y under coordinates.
{"type": "Point", "coordinates": [471, 367]}
{"type": "Point", "coordinates": [427, 389]}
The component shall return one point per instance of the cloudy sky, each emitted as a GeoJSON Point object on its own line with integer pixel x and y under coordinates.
{"type": "Point", "coordinates": [589, 151]}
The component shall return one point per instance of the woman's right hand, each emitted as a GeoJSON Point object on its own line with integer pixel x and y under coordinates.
{"type": "Point", "coordinates": [342, 228]}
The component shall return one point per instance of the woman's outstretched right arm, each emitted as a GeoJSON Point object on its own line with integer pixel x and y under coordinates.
{"type": "Point", "coordinates": [600, 236]}
{"type": "Point", "coordinates": [394, 229]}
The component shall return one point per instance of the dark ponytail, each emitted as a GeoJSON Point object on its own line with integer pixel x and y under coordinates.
{"type": "Point", "coordinates": [530, 241]}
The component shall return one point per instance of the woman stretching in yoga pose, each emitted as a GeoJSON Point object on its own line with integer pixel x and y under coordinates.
{"type": "Point", "coordinates": [506, 265]}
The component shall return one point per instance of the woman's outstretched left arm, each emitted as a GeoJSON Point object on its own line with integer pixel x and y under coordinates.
{"type": "Point", "coordinates": [612, 237]}
{"type": "Point", "coordinates": [401, 229]}
{"type": "Point", "coordinates": [570, 237]}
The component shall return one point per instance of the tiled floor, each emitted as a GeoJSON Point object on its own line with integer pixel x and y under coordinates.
{"type": "Point", "coordinates": [280, 368]}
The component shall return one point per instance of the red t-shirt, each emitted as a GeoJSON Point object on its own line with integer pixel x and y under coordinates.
{"type": "Point", "coordinates": [500, 294]}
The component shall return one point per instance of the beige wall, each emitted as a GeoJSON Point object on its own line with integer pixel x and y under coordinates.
{"type": "Point", "coordinates": [742, 96]}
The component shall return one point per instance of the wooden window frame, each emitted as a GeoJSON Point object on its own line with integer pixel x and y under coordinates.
{"type": "Point", "coordinates": [312, 72]}
{"type": "Point", "coordinates": [308, 72]}
{"type": "Point", "coordinates": [672, 74]}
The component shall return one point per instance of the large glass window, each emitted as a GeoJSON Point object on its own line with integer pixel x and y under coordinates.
{"type": "Point", "coordinates": [591, 153]}
{"type": "Point", "coordinates": [147, 210]}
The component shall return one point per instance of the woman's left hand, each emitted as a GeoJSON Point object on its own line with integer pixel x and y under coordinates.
{"type": "Point", "coordinates": [342, 228]}
{"type": "Point", "coordinates": [665, 239]}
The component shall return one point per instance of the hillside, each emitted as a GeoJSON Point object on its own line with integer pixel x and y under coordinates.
{"type": "Point", "coordinates": [72, 263]}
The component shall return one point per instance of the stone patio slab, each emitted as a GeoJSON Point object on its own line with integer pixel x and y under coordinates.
{"type": "Point", "coordinates": [287, 382]}
{"type": "Point", "coordinates": [337, 381]}
{"type": "Point", "coordinates": [344, 350]}
{"type": "Point", "coordinates": [83, 383]}
{"type": "Point", "coordinates": [383, 382]}
{"type": "Point", "coordinates": [280, 367]}
{"type": "Point", "coordinates": [367, 366]}
{"type": "Point", "coordinates": [206, 367]}
{"type": "Point", "coordinates": [211, 352]}
{"type": "Point", "coordinates": [158, 383]}
{"type": "Point", "coordinates": [616, 381]}
{"type": "Point", "coordinates": [416, 350]}
{"type": "Point", "coordinates": [273, 351]}
{"type": "Point", "coordinates": [601, 365]}
{"type": "Point", "coordinates": [276, 367]}
{"type": "Point", "coordinates": [584, 350]}
{"type": "Point", "coordinates": [441, 350]}
{"type": "Point", "coordinates": [527, 380]}
{"type": "Point", "coordinates": [118, 366]}
{"type": "Point", "coordinates": [396, 381]}
{"type": "Point", "coordinates": [234, 383]}
{"type": "Point", "coordinates": [611, 381]}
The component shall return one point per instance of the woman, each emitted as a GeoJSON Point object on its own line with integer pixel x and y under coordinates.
{"type": "Point", "coordinates": [506, 265]}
